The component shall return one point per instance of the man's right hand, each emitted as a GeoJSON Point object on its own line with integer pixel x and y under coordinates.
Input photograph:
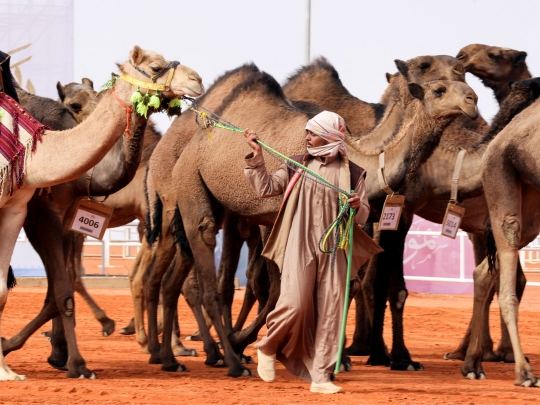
{"type": "Point", "coordinates": [251, 139]}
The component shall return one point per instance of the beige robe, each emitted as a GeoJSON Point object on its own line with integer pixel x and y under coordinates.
{"type": "Point", "coordinates": [303, 329]}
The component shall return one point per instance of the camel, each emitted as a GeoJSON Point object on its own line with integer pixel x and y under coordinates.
{"type": "Point", "coordinates": [162, 226]}
{"type": "Point", "coordinates": [74, 153]}
{"type": "Point", "coordinates": [512, 189]}
{"type": "Point", "coordinates": [196, 167]}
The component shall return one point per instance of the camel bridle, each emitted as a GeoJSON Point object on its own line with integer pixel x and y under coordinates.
{"type": "Point", "coordinates": [170, 68]}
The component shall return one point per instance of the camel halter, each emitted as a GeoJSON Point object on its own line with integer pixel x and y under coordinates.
{"type": "Point", "coordinates": [171, 67]}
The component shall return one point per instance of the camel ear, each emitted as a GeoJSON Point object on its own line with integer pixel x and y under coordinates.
{"type": "Point", "coordinates": [61, 92]}
{"type": "Point", "coordinates": [137, 55]}
{"type": "Point", "coordinates": [402, 67]}
{"type": "Point", "coordinates": [416, 90]}
{"type": "Point", "coordinates": [459, 69]}
{"type": "Point", "coordinates": [388, 77]}
{"type": "Point", "coordinates": [88, 82]}
{"type": "Point", "coordinates": [534, 89]}
{"type": "Point", "coordinates": [113, 75]}
{"type": "Point", "coordinates": [519, 58]}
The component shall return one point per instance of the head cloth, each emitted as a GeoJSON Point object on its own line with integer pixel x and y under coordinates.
{"type": "Point", "coordinates": [331, 127]}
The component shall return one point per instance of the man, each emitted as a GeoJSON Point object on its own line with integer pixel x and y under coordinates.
{"type": "Point", "coordinates": [303, 329]}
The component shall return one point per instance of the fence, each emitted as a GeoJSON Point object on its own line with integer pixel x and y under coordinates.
{"type": "Point", "coordinates": [128, 238]}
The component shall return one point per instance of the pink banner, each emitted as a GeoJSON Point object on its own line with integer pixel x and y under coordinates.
{"type": "Point", "coordinates": [436, 256]}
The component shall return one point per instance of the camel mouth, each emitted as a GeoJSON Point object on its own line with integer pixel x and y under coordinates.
{"type": "Point", "coordinates": [471, 111]}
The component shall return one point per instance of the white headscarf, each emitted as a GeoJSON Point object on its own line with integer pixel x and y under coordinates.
{"type": "Point", "coordinates": [331, 127]}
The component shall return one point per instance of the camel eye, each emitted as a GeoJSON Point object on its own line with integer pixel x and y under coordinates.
{"type": "Point", "coordinates": [425, 65]}
{"type": "Point", "coordinates": [155, 69]}
{"type": "Point", "coordinates": [460, 56]}
{"type": "Point", "coordinates": [76, 107]}
{"type": "Point", "coordinates": [493, 57]}
{"type": "Point", "coordinates": [440, 91]}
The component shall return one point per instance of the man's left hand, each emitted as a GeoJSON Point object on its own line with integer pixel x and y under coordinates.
{"type": "Point", "coordinates": [354, 201]}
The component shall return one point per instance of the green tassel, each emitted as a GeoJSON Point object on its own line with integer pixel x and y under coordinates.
{"type": "Point", "coordinates": [136, 97]}
{"type": "Point", "coordinates": [155, 101]}
{"type": "Point", "coordinates": [142, 109]}
{"type": "Point", "coordinates": [174, 103]}
{"type": "Point", "coordinates": [1, 114]}
{"type": "Point", "coordinates": [108, 85]}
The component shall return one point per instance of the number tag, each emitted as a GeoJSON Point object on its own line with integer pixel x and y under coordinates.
{"type": "Point", "coordinates": [91, 218]}
{"type": "Point", "coordinates": [452, 220]}
{"type": "Point", "coordinates": [391, 212]}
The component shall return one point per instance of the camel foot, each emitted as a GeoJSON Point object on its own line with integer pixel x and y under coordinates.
{"type": "Point", "coordinates": [184, 352]}
{"type": "Point", "coordinates": [214, 362]}
{"type": "Point", "coordinates": [506, 356]}
{"type": "Point", "coordinates": [475, 372]}
{"type": "Point", "coordinates": [246, 359]}
{"type": "Point", "coordinates": [174, 368]}
{"type": "Point", "coordinates": [379, 360]}
{"type": "Point", "coordinates": [526, 379]}
{"type": "Point", "coordinates": [47, 333]}
{"type": "Point", "coordinates": [154, 358]}
{"type": "Point", "coordinates": [406, 365]}
{"type": "Point", "coordinates": [80, 371]}
{"type": "Point", "coordinates": [59, 366]}
{"type": "Point", "coordinates": [489, 356]}
{"type": "Point", "coordinates": [59, 358]}
{"type": "Point", "coordinates": [357, 350]}
{"type": "Point", "coordinates": [239, 372]}
{"type": "Point", "coordinates": [108, 326]}
{"type": "Point", "coordinates": [457, 355]}
{"type": "Point", "coordinates": [128, 330]}
{"type": "Point", "coordinates": [6, 374]}
{"type": "Point", "coordinates": [196, 337]}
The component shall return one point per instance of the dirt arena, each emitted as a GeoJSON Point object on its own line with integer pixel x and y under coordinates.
{"type": "Point", "coordinates": [433, 325]}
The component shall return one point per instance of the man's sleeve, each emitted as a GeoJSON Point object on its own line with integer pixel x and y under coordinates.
{"type": "Point", "coordinates": [264, 184]}
{"type": "Point", "coordinates": [363, 212]}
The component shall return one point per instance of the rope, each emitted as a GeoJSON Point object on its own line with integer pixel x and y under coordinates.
{"type": "Point", "coordinates": [342, 225]}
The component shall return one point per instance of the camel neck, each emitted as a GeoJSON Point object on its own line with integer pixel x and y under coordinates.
{"type": "Point", "coordinates": [501, 89]}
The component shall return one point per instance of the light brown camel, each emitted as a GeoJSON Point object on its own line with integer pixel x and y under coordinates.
{"type": "Point", "coordinates": [162, 225]}
{"type": "Point", "coordinates": [197, 171]}
{"type": "Point", "coordinates": [74, 152]}
{"type": "Point", "coordinates": [512, 190]}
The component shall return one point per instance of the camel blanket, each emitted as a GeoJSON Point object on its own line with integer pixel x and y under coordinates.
{"type": "Point", "coordinates": [19, 133]}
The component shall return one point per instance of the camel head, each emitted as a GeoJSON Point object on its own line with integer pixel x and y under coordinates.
{"type": "Point", "coordinates": [143, 65]}
{"type": "Point", "coordinates": [437, 104]}
{"type": "Point", "coordinates": [445, 99]}
{"type": "Point", "coordinates": [79, 98]}
{"type": "Point", "coordinates": [492, 62]}
{"type": "Point", "coordinates": [424, 69]}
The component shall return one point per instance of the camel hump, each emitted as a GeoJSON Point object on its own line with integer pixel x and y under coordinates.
{"type": "Point", "coordinates": [356, 171]}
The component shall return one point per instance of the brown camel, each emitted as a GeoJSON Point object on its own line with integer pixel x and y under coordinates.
{"type": "Point", "coordinates": [162, 227]}
{"type": "Point", "coordinates": [74, 153]}
{"type": "Point", "coordinates": [498, 68]}
{"type": "Point", "coordinates": [196, 167]}
{"type": "Point", "coordinates": [512, 189]}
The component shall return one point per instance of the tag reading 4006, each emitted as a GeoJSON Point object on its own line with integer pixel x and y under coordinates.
{"type": "Point", "coordinates": [91, 218]}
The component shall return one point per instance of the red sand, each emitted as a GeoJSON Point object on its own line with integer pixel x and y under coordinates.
{"type": "Point", "coordinates": [434, 325]}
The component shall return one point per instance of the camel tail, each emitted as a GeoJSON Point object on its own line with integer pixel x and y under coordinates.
{"type": "Point", "coordinates": [179, 235]}
{"type": "Point", "coordinates": [491, 247]}
{"type": "Point", "coordinates": [152, 226]}
{"type": "Point", "coordinates": [11, 280]}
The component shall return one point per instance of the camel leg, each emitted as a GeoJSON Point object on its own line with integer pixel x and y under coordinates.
{"type": "Point", "coordinates": [11, 221]}
{"type": "Point", "coordinates": [230, 256]}
{"type": "Point", "coordinates": [508, 301]}
{"type": "Point", "coordinates": [483, 284]}
{"type": "Point", "coordinates": [137, 273]}
{"type": "Point", "coordinates": [247, 304]}
{"type": "Point", "coordinates": [162, 257]}
{"type": "Point", "coordinates": [171, 287]}
{"type": "Point", "coordinates": [191, 293]}
{"type": "Point", "coordinates": [203, 242]}
{"type": "Point", "coordinates": [504, 350]}
{"type": "Point", "coordinates": [389, 283]}
{"type": "Point", "coordinates": [77, 271]}
{"type": "Point", "coordinates": [176, 344]}
{"type": "Point", "coordinates": [136, 293]}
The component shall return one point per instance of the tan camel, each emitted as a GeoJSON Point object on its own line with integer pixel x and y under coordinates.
{"type": "Point", "coordinates": [196, 168]}
{"type": "Point", "coordinates": [73, 153]}
{"type": "Point", "coordinates": [79, 98]}
{"type": "Point", "coordinates": [512, 190]}
{"type": "Point", "coordinates": [146, 284]}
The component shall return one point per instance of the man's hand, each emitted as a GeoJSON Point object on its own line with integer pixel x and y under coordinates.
{"type": "Point", "coordinates": [354, 201]}
{"type": "Point", "coordinates": [251, 138]}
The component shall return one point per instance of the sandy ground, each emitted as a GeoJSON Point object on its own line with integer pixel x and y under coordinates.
{"type": "Point", "coordinates": [434, 325]}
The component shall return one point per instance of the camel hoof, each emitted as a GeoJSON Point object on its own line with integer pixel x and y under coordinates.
{"type": "Point", "coordinates": [526, 383]}
{"type": "Point", "coordinates": [105, 333]}
{"type": "Point", "coordinates": [247, 373]}
{"type": "Point", "coordinates": [93, 376]}
{"type": "Point", "coordinates": [126, 332]}
{"type": "Point", "coordinates": [471, 376]}
{"type": "Point", "coordinates": [47, 333]}
{"type": "Point", "coordinates": [454, 356]}
{"type": "Point", "coordinates": [406, 366]}
{"type": "Point", "coordinates": [482, 376]}
{"type": "Point", "coordinates": [220, 363]}
{"type": "Point", "coordinates": [48, 339]}
{"type": "Point", "coordinates": [175, 368]}
{"type": "Point", "coordinates": [20, 377]}
{"type": "Point", "coordinates": [246, 359]}
{"type": "Point", "coordinates": [182, 351]}
{"type": "Point", "coordinates": [193, 338]}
